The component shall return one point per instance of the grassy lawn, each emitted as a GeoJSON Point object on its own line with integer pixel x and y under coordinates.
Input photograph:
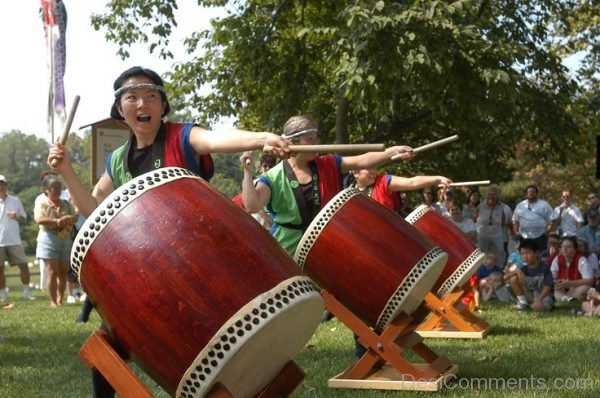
{"type": "Point", "coordinates": [547, 355]}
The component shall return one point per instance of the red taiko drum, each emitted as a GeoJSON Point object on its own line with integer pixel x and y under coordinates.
{"type": "Point", "coordinates": [369, 258]}
{"type": "Point", "coordinates": [464, 258]}
{"type": "Point", "coordinates": [192, 287]}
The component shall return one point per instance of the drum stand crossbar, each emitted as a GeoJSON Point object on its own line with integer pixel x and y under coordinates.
{"type": "Point", "coordinates": [384, 366]}
{"type": "Point", "coordinates": [98, 352]}
{"type": "Point", "coordinates": [446, 321]}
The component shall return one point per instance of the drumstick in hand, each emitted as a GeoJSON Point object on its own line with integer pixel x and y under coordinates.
{"type": "Point", "coordinates": [430, 145]}
{"type": "Point", "coordinates": [63, 138]}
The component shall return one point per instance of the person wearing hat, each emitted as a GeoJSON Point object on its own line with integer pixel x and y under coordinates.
{"type": "Point", "coordinates": [11, 247]}
{"type": "Point", "coordinates": [591, 232]}
{"type": "Point", "coordinates": [141, 101]}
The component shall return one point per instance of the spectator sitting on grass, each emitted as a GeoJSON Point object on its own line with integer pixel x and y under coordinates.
{"type": "Point", "coordinates": [571, 271]}
{"type": "Point", "coordinates": [490, 276]}
{"type": "Point", "coordinates": [533, 283]}
{"type": "Point", "coordinates": [514, 263]}
{"type": "Point", "coordinates": [591, 307]}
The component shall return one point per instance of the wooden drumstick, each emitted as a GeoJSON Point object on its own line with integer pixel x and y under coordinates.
{"type": "Point", "coordinates": [430, 145]}
{"type": "Point", "coordinates": [342, 148]}
{"type": "Point", "coordinates": [468, 183]}
{"type": "Point", "coordinates": [65, 134]}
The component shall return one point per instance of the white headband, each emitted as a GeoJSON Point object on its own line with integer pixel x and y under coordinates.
{"type": "Point", "coordinates": [294, 135]}
{"type": "Point", "coordinates": [133, 86]}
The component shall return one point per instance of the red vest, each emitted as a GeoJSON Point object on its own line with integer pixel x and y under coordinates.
{"type": "Point", "coordinates": [572, 272]}
{"type": "Point", "coordinates": [330, 179]}
{"type": "Point", "coordinates": [381, 194]}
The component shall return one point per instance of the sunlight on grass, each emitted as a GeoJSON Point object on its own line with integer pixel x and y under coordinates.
{"type": "Point", "coordinates": [548, 354]}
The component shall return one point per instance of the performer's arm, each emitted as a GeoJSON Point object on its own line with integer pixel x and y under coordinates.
{"type": "Point", "coordinates": [398, 183]}
{"type": "Point", "coordinates": [234, 140]}
{"type": "Point", "coordinates": [375, 159]}
{"type": "Point", "coordinates": [85, 201]}
{"type": "Point", "coordinates": [255, 197]}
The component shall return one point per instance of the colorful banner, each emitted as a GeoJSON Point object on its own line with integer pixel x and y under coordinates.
{"type": "Point", "coordinates": [54, 15]}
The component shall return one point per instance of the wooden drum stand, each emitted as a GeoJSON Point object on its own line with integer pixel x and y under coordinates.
{"type": "Point", "coordinates": [446, 321]}
{"type": "Point", "coordinates": [98, 352]}
{"type": "Point", "coordinates": [384, 366]}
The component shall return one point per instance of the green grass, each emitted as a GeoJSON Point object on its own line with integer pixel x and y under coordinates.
{"type": "Point", "coordinates": [40, 355]}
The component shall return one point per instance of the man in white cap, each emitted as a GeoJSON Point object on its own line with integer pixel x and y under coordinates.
{"type": "Point", "coordinates": [11, 248]}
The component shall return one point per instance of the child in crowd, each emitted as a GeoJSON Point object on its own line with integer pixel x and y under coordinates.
{"type": "Point", "coordinates": [490, 276]}
{"type": "Point", "coordinates": [533, 283]}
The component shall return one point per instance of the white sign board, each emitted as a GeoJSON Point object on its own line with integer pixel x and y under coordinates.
{"type": "Point", "coordinates": [106, 140]}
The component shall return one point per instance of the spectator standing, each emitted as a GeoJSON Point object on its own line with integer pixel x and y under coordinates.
{"type": "Point", "coordinates": [568, 216]}
{"type": "Point", "coordinates": [11, 247]}
{"type": "Point", "coordinates": [465, 224]}
{"type": "Point", "coordinates": [55, 218]}
{"type": "Point", "coordinates": [470, 209]}
{"type": "Point", "coordinates": [428, 197]}
{"type": "Point", "coordinates": [591, 232]}
{"type": "Point", "coordinates": [594, 203]}
{"type": "Point", "coordinates": [493, 220]}
{"type": "Point", "coordinates": [533, 218]}
{"type": "Point", "coordinates": [571, 271]}
{"type": "Point", "coordinates": [445, 195]}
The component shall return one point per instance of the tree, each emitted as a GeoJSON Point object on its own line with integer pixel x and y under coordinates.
{"type": "Point", "coordinates": [398, 72]}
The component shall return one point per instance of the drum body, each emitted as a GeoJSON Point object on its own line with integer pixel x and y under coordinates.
{"type": "Point", "coordinates": [369, 258]}
{"type": "Point", "coordinates": [192, 287]}
{"type": "Point", "coordinates": [464, 257]}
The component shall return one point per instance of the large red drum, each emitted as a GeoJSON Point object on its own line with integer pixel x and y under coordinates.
{"type": "Point", "coordinates": [369, 258]}
{"type": "Point", "coordinates": [192, 287]}
{"type": "Point", "coordinates": [464, 257]}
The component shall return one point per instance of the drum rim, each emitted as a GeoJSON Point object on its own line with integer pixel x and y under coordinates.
{"type": "Point", "coordinates": [317, 225]}
{"type": "Point", "coordinates": [114, 203]}
{"type": "Point", "coordinates": [417, 213]}
{"type": "Point", "coordinates": [197, 381]}
{"type": "Point", "coordinates": [430, 263]}
{"type": "Point", "coordinates": [464, 271]}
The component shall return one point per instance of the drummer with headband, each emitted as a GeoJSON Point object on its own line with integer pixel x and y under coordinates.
{"type": "Point", "coordinates": [382, 187]}
{"type": "Point", "coordinates": [141, 101]}
{"type": "Point", "coordinates": [296, 189]}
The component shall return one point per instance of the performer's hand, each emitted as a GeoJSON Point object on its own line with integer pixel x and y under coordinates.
{"type": "Point", "coordinates": [59, 157]}
{"type": "Point", "coordinates": [246, 161]}
{"type": "Point", "coordinates": [276, 146]}
{"type": "Point", "coordinates": [405, 152]}
{"type": "Point", "coordinates": [445, 182]}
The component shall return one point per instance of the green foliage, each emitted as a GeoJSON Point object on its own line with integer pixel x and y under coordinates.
{"type": "Point", "coordinates": [408, 72]}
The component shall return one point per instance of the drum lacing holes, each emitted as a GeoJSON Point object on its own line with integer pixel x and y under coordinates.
{"type": "Point", "coordinates": [202, 377]}
{"type": "Point", "coordinates": [218, 346]}
{"type": "Point", "coordinates": [133, 192]}
{"type": "Point", "coordinates": [109, 205]}
{"type": "Point", "coordinates": [262, 306]}
{"type": "Point", "coordinates": [117, 205]}
{"type": "Point", "coordinates": [238, 323]}
{"type": "Point", "coordinates": [226, 347]}
{"type": "Point", "coordinates": [264, 315]}
{"type": "Point", "coordinates": [256, 321]}
{"type": "Point", "coordinates": [229, 330]}
{"type": "Point", "coordinates": [240, 332]}
{"type": "Point", "coordinates": [92, 234]}
{"type": "Point", "coordinates": [214, 363]}
{"type": "Point", "coordinates": [247, 317]}
{"type": "Point", "coordinates": [255, 311]}
{"type": "Point", "coordinates": [211, 354]}
{"type": "Point", "coordinates": [232, 340]}
{"type": "Point", "coordinates": [207, 371]}
{"type": "Point", "coordinates": [125, 198]}
{"type": "Point", "coordinates": [204, 361]}
{"type": "Point", "coordinates": [220, 355]}
{"type": "Point", "coordinates": [196, 384]}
